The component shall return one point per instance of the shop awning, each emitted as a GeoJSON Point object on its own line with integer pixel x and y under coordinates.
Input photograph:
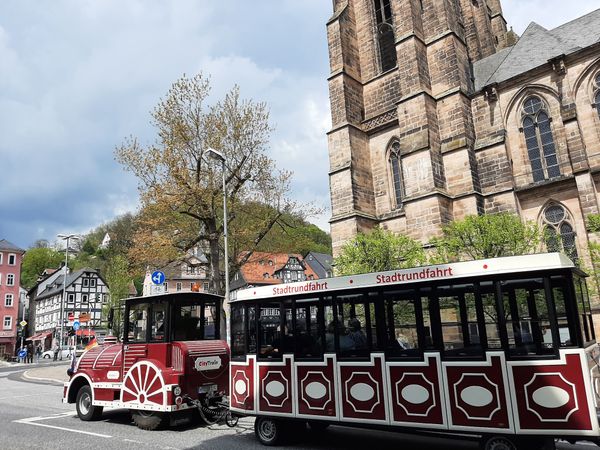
{"type": "Point", "coordinates": [85, 332]}
{"type": "Point", "coordinates": [39, 336]}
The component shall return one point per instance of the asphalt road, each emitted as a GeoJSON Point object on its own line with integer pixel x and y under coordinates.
{"type": "Point", "coordinates": [32, 416]}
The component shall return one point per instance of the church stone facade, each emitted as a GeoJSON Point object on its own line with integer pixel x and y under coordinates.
{"type": "Point", "coordinates": [439, 112]}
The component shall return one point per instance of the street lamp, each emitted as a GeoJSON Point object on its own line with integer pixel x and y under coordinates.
{"type": "Point", "coordinates": [64, 237]}
{"type": "Point", "coordinates": [214, 154]}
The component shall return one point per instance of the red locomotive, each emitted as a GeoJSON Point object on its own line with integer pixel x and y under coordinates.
{"type": "Point", "coordinates": [172, 359]}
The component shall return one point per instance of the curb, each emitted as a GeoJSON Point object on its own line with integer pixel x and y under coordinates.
{"type": "Point", "coordinates": [51, 380]}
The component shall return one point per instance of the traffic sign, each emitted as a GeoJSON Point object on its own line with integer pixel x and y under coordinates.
{"type": "Point", "coordinates": [22, 353]}
{"type": "Point", "coordinates": [158, 277]}
{"type": "Point", "coordinates": [22, 323]}
{"type": "Point", "coordinates": [76, 325]}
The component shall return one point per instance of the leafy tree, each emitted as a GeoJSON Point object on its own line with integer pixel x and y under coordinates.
{"type": "Point", "coordinates": [180, 185]}
{"type": "Point", "coordinates": [35, 261]}
{"type": "Point", "coordinates": [118, 280]}
{"type": "Point", "coordinates": [378, 251]}
{"type": "Point", "coordinates": [487, 236]}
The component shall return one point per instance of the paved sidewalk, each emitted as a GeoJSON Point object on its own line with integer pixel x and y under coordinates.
{"type": "Point", "coordinates": [54, 374]}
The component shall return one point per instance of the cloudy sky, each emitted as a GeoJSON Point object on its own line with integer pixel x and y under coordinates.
{"type": "Point", "coordinates": [78, 76]}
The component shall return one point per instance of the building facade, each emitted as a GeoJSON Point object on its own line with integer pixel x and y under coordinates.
{"type": "Point", "coordinates": [10, 278]}
{"type": "Point", "coordinates": [265, 268]}
{"type": "Point", "coordinates": [189, 274]}
{"type": "Point", "coordinates": [439, 112]}
{"type": "Point", "coordinates": [86, 293]}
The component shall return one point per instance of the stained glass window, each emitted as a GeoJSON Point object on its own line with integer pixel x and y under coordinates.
{"type": "Point", "coordinates": [539, 140]}
{"type": "Point", "coordinates": [558, 232]}
{"type": "Point", "coordinates": [396, 169]}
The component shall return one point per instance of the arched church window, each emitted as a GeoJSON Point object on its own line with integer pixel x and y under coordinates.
{"type": "Point", "coordinates": [396, 174]}
{"type": "Point", "coordinates": [597, 93]}
{"type": "Point", "coordinates": [385, 34]}
{"type": "Point", "coordinates": [558, 231]}
{"type": "Point", "coordinates": [539, 140]}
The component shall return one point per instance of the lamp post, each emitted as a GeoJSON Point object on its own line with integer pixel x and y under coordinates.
{"type": "Point", "coordinates": [64, 237]}
{"type": "Point", "coordinates": [214, 154]}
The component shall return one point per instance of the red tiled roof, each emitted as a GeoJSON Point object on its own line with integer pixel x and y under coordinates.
{"type": "Point", "coordinates": [261, 263]}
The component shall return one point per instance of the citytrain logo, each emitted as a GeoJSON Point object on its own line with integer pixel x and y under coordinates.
{"type": "Point", "coordinates": [203, 363]}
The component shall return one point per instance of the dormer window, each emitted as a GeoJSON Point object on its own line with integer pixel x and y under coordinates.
{"type": "Point", "coordinates": [265, 275]}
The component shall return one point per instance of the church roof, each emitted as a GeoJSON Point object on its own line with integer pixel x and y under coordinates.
{"type": "Point", "coordinates": [536, 46]}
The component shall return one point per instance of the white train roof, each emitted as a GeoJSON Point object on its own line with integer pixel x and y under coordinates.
{"type": "Point", "coordinates": [451, 271]}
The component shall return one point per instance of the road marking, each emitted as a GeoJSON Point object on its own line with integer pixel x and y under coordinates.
{"type": "Point", "coordinates": [19, 396]}
{"type": "Point", "coordinates": [34, 421]}
{"type": "Point", "coordinates": [64, 429]}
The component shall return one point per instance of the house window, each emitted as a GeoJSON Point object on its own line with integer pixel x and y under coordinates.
{"type": "Point", "coordinates": [86, 282]}
{"type": "Point", "coordinates": [104, 298]}
{"type": "Point", "coordinates": [205, 286]}
{"type": "Point", "coordinates": [396, 174]}
{"type": "Point", "coordinates": [10, 279]}
{"type": "Point", "coordinates": [1, 255]}
{"type": "Point", "coordinates": [178, 287]}
{"type": "Point", "coordinates": [12, 259]}
{"type": "Point", "coordinates": [92, 282]}
{"type": "Point", "coordinates": [84, 298]}
{"type": "Point", "coordinates": [558, 231]}
{"type": "Point", "coordinates": [265, 275]}
{"type": "Point", "coordinates": [385, 34]}
{"type": "Point", "coordinates": [539, 140]}
{"type": "Point", "coordinates": [70, 298]}
{"type": "Point", "coordinates": [8, 300]}
{"type": "Point", "coordinates": [7, 322]}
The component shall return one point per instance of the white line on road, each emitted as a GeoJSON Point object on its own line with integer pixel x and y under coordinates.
{"type": "Point", "coordinates": [19, 396]}
{"type": "Point", "coordinates": [34, 421]}
{"type": "Point", "coordinates": [63, 429]}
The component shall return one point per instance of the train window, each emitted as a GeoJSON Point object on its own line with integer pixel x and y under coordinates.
{"type": "Point", "coordinates": [329, 319]}
{"type": "Point", "coordinates": [209, 320]}
{"type": "Point", "coordinates": [138, 323]}
{"type": "Point", "coordinates": [356, 325]}
{"type": "Point", "coordinates": [428, 343]}
{"type": "Point", "coordinates": [527, 318]}
{"type": "Point", "coordinates": [187, 324]}
{"type": "Point", "coordinates": [251, 311]}
{"type": "Point", "coordinates": [401, 324]}
{"type": "Point", "coordinates": [270, 330]}
{"type": "Point", "coordinates": [490, 315]}
{"type": "Point", "coordinates": [452, 332]}
{"type": "Point", "coordinates": [566, 331]}
{"type": "Point", "coordinates": [309, 324]}
{"type": "Point", "coordinates": [157, 330]}
{"type": "Point", "coordinates": [238, 330]}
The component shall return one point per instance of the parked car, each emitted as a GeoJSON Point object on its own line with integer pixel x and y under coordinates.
{"type": "Point", "coordinates": [49, 354]}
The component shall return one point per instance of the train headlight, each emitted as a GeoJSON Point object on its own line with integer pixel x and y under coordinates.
{"type": "Point", "coordinates": [177, 390]}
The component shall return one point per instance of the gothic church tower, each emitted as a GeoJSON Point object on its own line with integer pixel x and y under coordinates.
{"type": "Point", "coordinates": [401, 144]}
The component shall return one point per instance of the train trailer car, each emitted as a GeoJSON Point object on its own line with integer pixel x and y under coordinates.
{"type": "Point", "coordinates": [171, 359]}
{"type": "Point", "coordinates": [502, 350]}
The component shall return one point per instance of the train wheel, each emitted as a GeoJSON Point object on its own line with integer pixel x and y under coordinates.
{"type": "Point", "coordinates": [149, 420]}
{"type": "Point", "coordinates": [498, 443]}
{"type": "Point", "coordinates": [85, 410]}
{"type": "Point", "coordinates": [268, 431]}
